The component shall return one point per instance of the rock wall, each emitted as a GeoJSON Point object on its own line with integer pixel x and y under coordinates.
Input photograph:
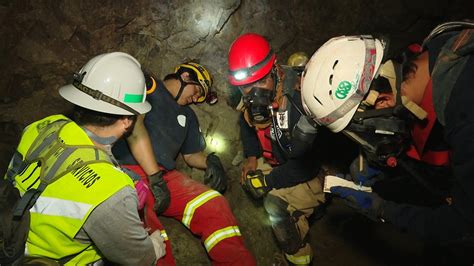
{"type": "Point", "coordinates": [43, 42]}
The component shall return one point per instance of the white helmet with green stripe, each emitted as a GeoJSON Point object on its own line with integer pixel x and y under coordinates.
{"type": "Point", "coordinates": [110, 83]}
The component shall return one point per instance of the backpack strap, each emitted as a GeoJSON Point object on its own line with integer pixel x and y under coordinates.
{"type": "Point", "coordinates": [56, 159]}
{"type": "Point", "coordinates": [28, 200]}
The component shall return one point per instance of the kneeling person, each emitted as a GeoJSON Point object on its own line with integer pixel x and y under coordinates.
{"type": "Point", "coordinates": [77, 219]}
{"type": "Point", "coordinates": [174, 129]}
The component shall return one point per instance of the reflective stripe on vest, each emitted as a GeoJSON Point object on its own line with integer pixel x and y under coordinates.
{"type": "Point", "coordinates": [61, 207]}
{"type": "Point", "coordinates": [421, 132]}
{"type": "Point", "coordinates": [300, 260]}
{"type": "Point", "coordinates": [64, 206]}
{"type": "Point", "coordinates": [198, 201]}
{"type": "Point", "coordinates": [266, 144]}
{"type": "Point", "coordinates": [220, 235]}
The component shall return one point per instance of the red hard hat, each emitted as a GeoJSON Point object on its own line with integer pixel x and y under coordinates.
{"type": "Point", "coordinates": [250, 59]}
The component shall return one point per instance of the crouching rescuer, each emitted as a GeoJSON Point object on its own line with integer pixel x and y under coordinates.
{"type": "Point", "coordinates": [79, 200]}
{"type": "Point", "coordinates": [277, 141]}
{"type": "Point", "coordinates": [425, 117]}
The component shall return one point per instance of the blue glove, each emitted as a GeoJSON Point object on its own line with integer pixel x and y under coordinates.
{"type": "Point", "coordinates": [369, 204]}
{"type": "Point", "coordinates": [367, 176]}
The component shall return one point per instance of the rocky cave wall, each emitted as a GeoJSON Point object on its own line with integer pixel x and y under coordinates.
{"type": "Point", "coordinates": [43, 42]}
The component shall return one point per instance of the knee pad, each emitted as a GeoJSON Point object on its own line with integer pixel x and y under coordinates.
{"type": "Point", "coordinates": [284, 225]}
{"type": "Point", "coordinates": [275, 206]}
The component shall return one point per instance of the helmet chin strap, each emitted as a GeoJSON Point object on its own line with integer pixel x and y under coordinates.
{"type": "Point", "coordinates": [181, 88]}
{"type": "Point", "coordinates": [183, 85]}
{"type": "Point", "coordinates": [276, 81]}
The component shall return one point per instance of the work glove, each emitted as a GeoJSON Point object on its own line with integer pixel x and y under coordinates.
{"type": "Point", "coordinates": [369, 204]}
{"type": "Point", "coordinates": [255, 184]}
{"type": "Point", "coordinates": [363, 174]}
{"type": "Point", "coordinates": [158, 244]}
{"type": "Point", "coordinates": [160, 192]}
{"type": "Point", "coordinates": [140, 186]}
{"type": "Point", "coordinates": [142, 190]}
{"type": "Point", "coordinates": [215, 176]}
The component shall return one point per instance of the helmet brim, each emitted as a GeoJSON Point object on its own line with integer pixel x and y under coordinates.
{"type": "Point", "coordinates": [77, 97]}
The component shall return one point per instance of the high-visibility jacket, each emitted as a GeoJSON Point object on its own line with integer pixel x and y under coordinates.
{"type": "Point", "coordinates": [64, 205]}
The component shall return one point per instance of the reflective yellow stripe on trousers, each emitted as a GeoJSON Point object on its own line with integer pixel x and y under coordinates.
{"type": "Point", "coordinates": [220, 235]}
{"type": "Point", "coordinates": [164, 235]}
{"type": "Point", "coordinates": [198, 201]}
{"type": "Point", "coordinates": [299, 260]}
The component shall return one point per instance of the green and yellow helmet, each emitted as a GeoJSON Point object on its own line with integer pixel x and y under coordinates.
{"type": "Point", "coordinates": [197, 73]}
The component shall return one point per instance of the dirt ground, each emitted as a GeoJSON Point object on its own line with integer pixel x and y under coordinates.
{"type": "Point", "coordinates": [339, 236]}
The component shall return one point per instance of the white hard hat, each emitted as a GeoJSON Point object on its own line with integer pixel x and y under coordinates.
{"type": "Point", "coordinates": [110, 83]}
{"type": "Point", "coordinates": [338, 76]}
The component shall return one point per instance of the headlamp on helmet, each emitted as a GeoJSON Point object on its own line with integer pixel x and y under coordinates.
{"type": "Point", "coordinates": [244, 73]}
{"type": "Point", "coordinates": [250, 59]}
{"type": "Point", "coordinates": [241, 74]}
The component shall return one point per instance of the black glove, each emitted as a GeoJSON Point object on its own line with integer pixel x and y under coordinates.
{"type": "Point", "coordinates": [215, 176]}
{"type": "Point", "coordinates": [160, 192]}
{"type": "Point", "coordinates": [255, 184]}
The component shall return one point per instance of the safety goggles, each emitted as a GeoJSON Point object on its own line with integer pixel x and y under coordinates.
{"type": "Point", "coordinates": [201, 92]}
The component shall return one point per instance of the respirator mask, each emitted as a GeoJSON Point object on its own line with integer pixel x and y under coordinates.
{"type": "Point", "coordinates": [383, 134]}
{"type": "Point", "coordinates": [257, 102]}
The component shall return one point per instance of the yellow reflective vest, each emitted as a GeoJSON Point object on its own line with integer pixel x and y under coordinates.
{"type": "Point", "coordinates": [65, 204]}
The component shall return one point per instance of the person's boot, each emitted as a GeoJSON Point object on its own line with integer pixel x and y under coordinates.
{"type": "Point", "coordinates": [280, 260]}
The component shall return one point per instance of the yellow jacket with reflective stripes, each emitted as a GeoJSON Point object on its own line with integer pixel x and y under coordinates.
{"type": "Point", "coordinates": [64, 206]}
